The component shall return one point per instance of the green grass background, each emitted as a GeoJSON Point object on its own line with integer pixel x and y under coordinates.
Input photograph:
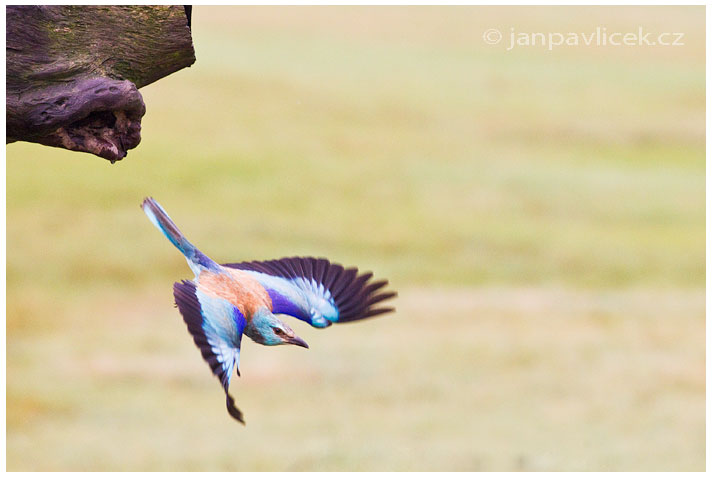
{"type": "Point", "coordinates": [541, 214]}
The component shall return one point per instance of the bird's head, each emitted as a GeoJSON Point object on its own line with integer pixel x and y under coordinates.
{"type": "Point", "coordinates": [268, 329]}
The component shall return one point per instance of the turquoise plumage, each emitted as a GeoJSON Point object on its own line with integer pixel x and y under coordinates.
{"type": "Point", "coordinates": [224, 302]}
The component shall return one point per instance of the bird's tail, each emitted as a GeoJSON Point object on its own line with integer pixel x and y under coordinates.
{"type": "Point", "coordinates": [162, 221]}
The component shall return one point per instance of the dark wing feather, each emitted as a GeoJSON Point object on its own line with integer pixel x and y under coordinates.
{"type": "Point", "coordinates": [320, 267]}
{"type": "Point", "coordinates": [190, 308]}
{"type": "Point", "coordinates": [353, 294]}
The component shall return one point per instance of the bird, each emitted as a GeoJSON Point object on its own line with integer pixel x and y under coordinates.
{"type": "Point", "coordinates": [223, 302]}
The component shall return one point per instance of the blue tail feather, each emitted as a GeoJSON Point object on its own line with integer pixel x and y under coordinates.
{"type": "Point", "coordinates": [158, 216]}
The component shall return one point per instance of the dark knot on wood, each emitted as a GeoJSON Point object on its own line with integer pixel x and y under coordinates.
{"type": "Point", "coordinates": [94, 115]}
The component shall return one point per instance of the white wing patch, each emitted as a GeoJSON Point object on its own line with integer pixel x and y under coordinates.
{"type": "Point", "coordinates": [221, 331]}
{"type": "Point", "coordinates": [321, 306]}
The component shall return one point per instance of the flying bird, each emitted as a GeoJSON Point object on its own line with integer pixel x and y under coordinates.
{"type": "Point", "coordinates": [225, 301]}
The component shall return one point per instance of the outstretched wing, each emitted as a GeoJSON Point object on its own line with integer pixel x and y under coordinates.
{"type": "Point", "coordinates": [216, 327]}
{"type": "Point", "coordinates": [317, 291]}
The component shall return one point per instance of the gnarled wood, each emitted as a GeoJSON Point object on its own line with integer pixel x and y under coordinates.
{"type": "Point", "coordinates": [73, 72]}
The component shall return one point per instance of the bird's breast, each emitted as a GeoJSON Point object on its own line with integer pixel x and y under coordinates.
{"type": "Point", "coordinates": [237, 287]}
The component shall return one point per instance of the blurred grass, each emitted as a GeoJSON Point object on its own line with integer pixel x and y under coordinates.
{"type": "Point", "coordinates": [541, 213]}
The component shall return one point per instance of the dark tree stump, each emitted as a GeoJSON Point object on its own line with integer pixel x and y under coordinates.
{"type": "Point", "coordinates": [73, 72]}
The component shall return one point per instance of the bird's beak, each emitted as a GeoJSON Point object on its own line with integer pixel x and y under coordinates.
{"type": "Point", "coordinates": [298, 341]}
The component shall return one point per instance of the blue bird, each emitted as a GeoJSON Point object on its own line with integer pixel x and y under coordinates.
{"type": "Point", "coordinates": [225, 301]}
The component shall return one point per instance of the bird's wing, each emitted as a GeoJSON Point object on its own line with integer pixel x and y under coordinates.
{"type": "Point", "coordinates": [216, 327]}
{"type": "Point", "coordinates": [317, 291]}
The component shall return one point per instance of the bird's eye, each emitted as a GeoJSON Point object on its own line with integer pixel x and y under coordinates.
{"type": "Point", "coordinates": [278, 331]}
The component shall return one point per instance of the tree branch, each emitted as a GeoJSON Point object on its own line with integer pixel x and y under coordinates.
{"type": "Point", "coordinates": [73, 72]}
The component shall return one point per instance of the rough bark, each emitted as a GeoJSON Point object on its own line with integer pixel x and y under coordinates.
{"type": "Point", "coordinates": [73, 72]}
